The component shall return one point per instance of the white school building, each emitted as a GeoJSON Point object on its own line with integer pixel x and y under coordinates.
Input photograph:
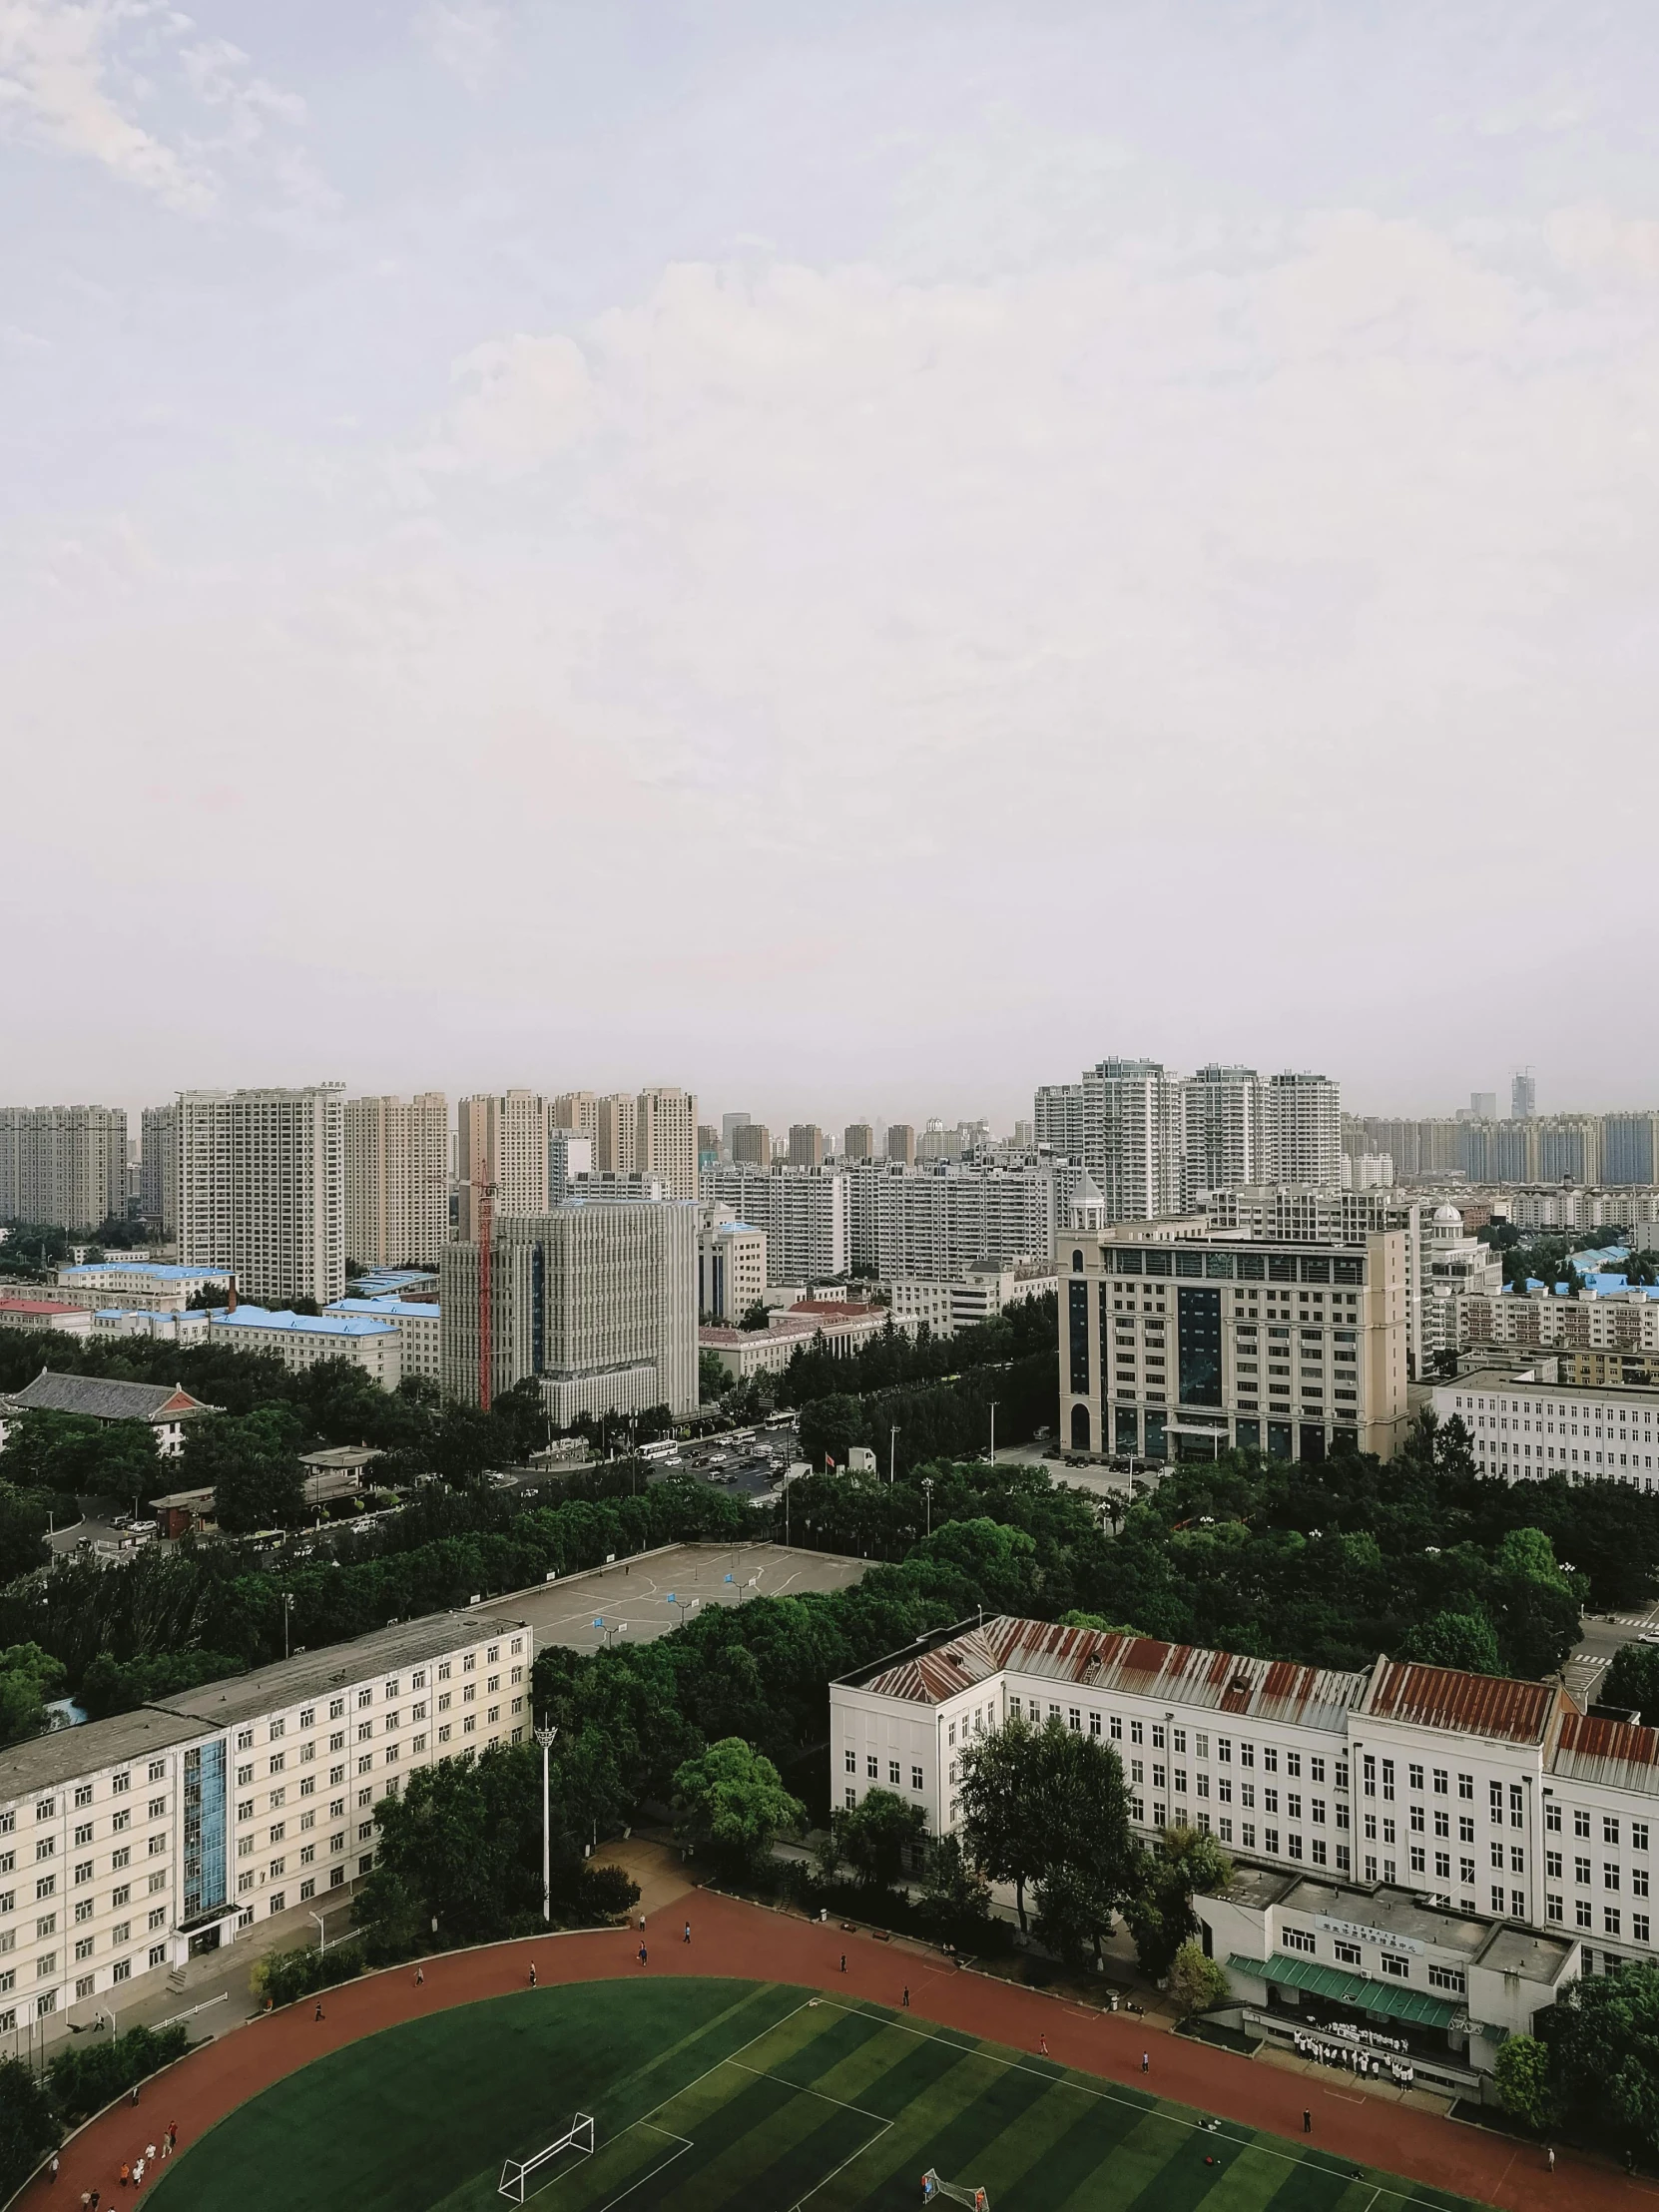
{"type": "Point", "coordinates": [1494, 1808]}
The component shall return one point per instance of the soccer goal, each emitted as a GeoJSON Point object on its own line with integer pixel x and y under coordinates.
{"type": "Point", "coordinates": [516, 2173]}
{"type": "Point", "coordinates": [977, 2200]}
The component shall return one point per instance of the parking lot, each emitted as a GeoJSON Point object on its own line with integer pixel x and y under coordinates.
{"type": "Point", "coordinates": [637, 1600]}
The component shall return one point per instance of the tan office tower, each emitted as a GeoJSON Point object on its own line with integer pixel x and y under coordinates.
{"type": "Point", "coordinates": [261, 1189]}
{"type": "Point", "coordinates": [665, 1141]}
{"type": "Point", "coordinates": [573, 1110]}
{"type": "Point", "coordinates": [901, 1143]}
{"type": "Point", "coordinates": [806, 1145]}
{"type": "Point", "coordinates": [615, 1133]}
{"type": "Point", "coordinates": [501, 1138]}
{"type": "Point", "coordinates": [858, 1141]}
{"type": "Point", "coordinates": [751, 1145]}
{"type": "Point", "coordinates": [396, 1180]}
{"type": "Point", "coordinates": [63, 1165]}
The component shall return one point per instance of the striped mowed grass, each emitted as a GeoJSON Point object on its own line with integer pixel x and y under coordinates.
{"type": "Point", "coordinates": [709, 2094]}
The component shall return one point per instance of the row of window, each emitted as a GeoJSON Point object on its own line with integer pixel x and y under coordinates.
{"type": "Point", "coordinates": [120, 1783]}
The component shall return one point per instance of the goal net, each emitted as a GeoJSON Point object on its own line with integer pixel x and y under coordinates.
{"type": "Point", "coordinates": [977, 2200]}
{"type": "Point", "coordinates": [517, 2173]}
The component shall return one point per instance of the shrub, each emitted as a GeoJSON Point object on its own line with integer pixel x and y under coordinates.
{"type": "Point", "coordinates": [86, 2076]}
{"type": "Point", "coordinates": [286, 1976]}
{"type": "Point", "coordinates": [604, 1892]}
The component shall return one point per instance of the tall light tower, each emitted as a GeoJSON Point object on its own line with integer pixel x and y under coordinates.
{"type": "Point", "coordinates": [545, 1737]}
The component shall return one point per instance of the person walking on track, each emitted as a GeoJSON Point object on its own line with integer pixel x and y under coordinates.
{"type": "Point", "coordinates": [532, 1974]}
{"type": "Point", "coordinates": [686, 1939]}
{"type": "Point", "coordinates": [1307, 2121]}
{"type": "Point", "coordinates": [1146, 2061]}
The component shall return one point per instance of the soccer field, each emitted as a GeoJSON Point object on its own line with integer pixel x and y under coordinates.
{"type": "Point", "coordinates": [709, 2094]}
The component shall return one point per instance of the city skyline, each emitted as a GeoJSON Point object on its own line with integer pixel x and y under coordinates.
{"type": "Point", "coordinates": [472, 464]}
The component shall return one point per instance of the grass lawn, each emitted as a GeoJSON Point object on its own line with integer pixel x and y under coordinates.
{"type": "Point", "coordinates": [709, 2094]}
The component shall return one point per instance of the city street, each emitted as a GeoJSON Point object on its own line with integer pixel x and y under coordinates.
{"type": "Point", "coordinates": [1602, 1637]}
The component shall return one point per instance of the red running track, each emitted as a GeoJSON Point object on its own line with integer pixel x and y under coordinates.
{"type": "Point", "coordinates": [729, 1937]}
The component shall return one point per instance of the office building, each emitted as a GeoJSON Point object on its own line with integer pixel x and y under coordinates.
{"type": "Point", "coordinates": [44, 1317]}
{"type": "Point", "coordinates": [665, 1143]}
{"type": "Point", "coordinates": [598, 1303]}
{"type": "Point", "coordinates": [418, 1325]}
{"type": "Point", "coordinates": [158, 1168]}
{"type": "Point", "coordinates": [1418, 1851]}
{"type": "Point", "coordinates": [576, 1111]}
{"type": "Point", "coordinates": [802, 1212]}
{"type": "Point", "coordinates": [568, 1158]}
{"type": "Point", "coordinates": [1178, 1342]}
{"type": "Point", "coordinates": [708, 1145]}
{"type": "Point", "coordinates": [1224, 1129]}
{"type": "Point", "coordinates": [1523, 1095]}
{"type": "Point", "coordinates": [261, 1189]}
{"type": "Point", "coordinates": [731, 1268]}
{"type": "Point", "coordinates": [137, 1286]}
{"type": "Point", "coordinates": [858, 1142]}
{"type": "Point", "coordinates": [502, 1140]}
{"type": "Point", "coordinates": [301, 1341]}
{"type": "Point", "coordinates": [980, 1293]}
{"type": "Point", "coordinates": [1527, 1426]}
{"type": "Point", "coordinates": [806, 1145]}
{"type": "Point", "coordinates": [63, 1166]}
{"type": "Point", "coordinates": [1453, 1268]}
{"type": "Point", "coordinates": [902, 1144]}
{"type": "Point", "coordinates": [616, 1132]}
{"type": "Point", "coordinates": [832, 1324]}
{"type": "Point", "coordinates": [396, 1180]}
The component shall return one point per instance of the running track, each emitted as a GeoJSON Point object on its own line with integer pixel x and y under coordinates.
{"type": "Point", "coordinates": [745, 1940]}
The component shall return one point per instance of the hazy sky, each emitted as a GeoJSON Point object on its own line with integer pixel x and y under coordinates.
{"type": "Point", "coordinates": [854, 557]}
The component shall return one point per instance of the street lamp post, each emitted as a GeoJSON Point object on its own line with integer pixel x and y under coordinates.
{"type": "Point", "coordinates": [893, 1455]}
{"type": "Point", "coordinates": [288, 1608]}
{"type": "Point", "coordinates": [993, 1431]}
{"type": "Point", "coordinates": [545, 1737]}
{"type": "Point", "coordinates": [927, 1493]}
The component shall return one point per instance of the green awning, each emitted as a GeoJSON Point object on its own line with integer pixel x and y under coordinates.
{"type": "Point", "coordinates": [1390, 1998]}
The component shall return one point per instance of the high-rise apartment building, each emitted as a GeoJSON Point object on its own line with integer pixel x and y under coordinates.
{"type": "Point", "coordinates": [1223, 1129]}
{"type": "Point", "coordinates": [616, 1121]}
{"type": "Point", "coordinates": [158, 1168]}
{"type": "Point", "coordinates": [597, 1303]}
{"type": "Point", "coordinates": [665, 1141]}
{"type": "Point", "coordinates": [1135, 1138]}
{"type": "Point", "coordinates": [1484, 1105]}
{"type": "Point", "coordinates": [397, 1180]}
{"type": "Point", "coordinates": [750, 1144]}
{"type": "Point", "coordinates": [1057, 1119]}
{"type": "Point", "coordinates": [568, 1156]}
{"type": "Point", "coordinates": [803, 1212]}
{"type": "Point", "coordinates": [573, 1110]}
{"type": "Point", "coordinates": [806, 1145]}
{"type": "Point", "coordinates": [902, 1144]}
{"type": "Point", "coordinates": [1302, 1129]}
{"type": "Point", "coordinates": [708, 1143]}
{"type": "Point", "coordinates": [261, 1189]}
{"type": "Point", "coordinates": [858, 1141]}
{"type": "Point", "coordinates": [934, 1223]}
{"type": "Point", "coordinates": [1630, 1148]}
{"type": "Point", "coordinates": [1523, 1094]}
{"type": "Point", "coordinates": [501, 1138]}
{"type": "Point", "coordinates": [729, 1124]}
{"type": "Point", "coordinates": [65, 1166]}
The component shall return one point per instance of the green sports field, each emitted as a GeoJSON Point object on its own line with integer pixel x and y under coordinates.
{"type": "Point", "coordinates": [707, 2094]}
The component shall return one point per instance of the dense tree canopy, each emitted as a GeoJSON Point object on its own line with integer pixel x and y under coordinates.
{"type": "Point", "coordinates": [730, 1803]}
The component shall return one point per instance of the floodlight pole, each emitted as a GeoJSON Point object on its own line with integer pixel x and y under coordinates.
{"type": "Point", "coordinates": [545, 1737]}
{"type": "Point", "coordinates": [993, 1431]}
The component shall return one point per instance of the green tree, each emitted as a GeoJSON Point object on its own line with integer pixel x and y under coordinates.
{"type": "Point", "coordinates": [23, 1524]}
{"type": "Point", "coordinates": [757, 1317]}
{"type": "Point", "coordinates": [1466, 1641]}
{"type": "Point", "coordinates": [713, 1381]}
{"type": "Point", "coordinates": [111, 1685]}
{"type": "Point", "coordinates": [70, 1452]}
{"type": "Point", "coordinates": [998, 1790]}
{"type": "Point", "coordinates": [251, 1463]}
{"type": "Point", "coordinates": [875, 1837]}
{"type": "Point", "coordinates": [28, 1677]}
{"type": "Point", "coordinates": [730, 1803]}
{"type": "Point", "coordinates": [1183, 1863]}
{"type": "Point", "coordinates": [1521, 2074]}
{"type": "Point", "coordinates": [465, 1840]}
{"type": "Point", "coordinates": [1633, 1679]}
{"type": "Point", "coordinates": [955, 1899]}
{"type": "Point", "coordinates": [86, 2076]}
{"type": "Point", "coordinates": [1603, 2038]}
{"type": "Point", "coordinates": [1196, 1983]}
{"type": "Point", "coordinates": [1074, 1911]}
{"type": "Point", "coordinates": [28, 2125]}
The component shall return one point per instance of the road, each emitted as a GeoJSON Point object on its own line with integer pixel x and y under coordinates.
{"type": "Point", "coordinates": [1601, 1639]}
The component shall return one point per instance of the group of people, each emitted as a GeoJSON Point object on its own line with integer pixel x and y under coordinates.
{"type": "Point", "coordinates": [132, 2170]}
{"type": "Point", "coordinates": [1373, 2064]}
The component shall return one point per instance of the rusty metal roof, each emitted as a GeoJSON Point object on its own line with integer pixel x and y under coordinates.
{"type": "Point", "coordinates": [1612, 1752]}
{"type": "Point", "coordinates": [1133, 1666]}
{"type": "Point", "coordinates": [1463, 1704]}
{"type": "Point", "coordinates": [930, 1677]}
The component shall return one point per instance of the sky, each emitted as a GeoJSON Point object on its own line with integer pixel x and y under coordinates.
{"type": "Point", "coordinates": [857, 559]}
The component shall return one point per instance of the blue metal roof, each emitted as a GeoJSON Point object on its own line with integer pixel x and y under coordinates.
{"type": "Point", "coordinates": [303, 1324]}
{"type": "Point", "coordinates": [165, 1270]}
{"type": "Point", "coordinates": [398, 1309]}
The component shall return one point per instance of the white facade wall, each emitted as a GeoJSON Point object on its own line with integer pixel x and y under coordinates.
{"type": "Point", "coordinates": [802, 1210]}
{"type": "Point", "coordinates": [303, 1341]}
{"type": "Point", "coordinates": [65, 1166]}
{"type": "Point", "coordinates": [1526, 1430]}
{"type": "Point", "coordinates": [261, 1189]}
{"type": "Point", "coordinates": [396, 1180]}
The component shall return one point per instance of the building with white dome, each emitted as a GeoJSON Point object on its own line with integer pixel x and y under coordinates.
{"type": "Point", "coordinates": [1453, 1267]}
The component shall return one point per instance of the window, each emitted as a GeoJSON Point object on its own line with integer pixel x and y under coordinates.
{"type": "Point", "coordinates": [1610, 1920]}
{"type": "Point", "coordinates": [1609, 1875]}
{"type": "Point", "coordinates": [1348, 1955]}
{"type": "Point", "coordinates": [1552, 1818]}
{"type": "Point", "coordinates": [1300, 1939]}
{"type": "Point", "coordinates": [1609, 1828]}
{"type": "Point", "coordinates": [1447, 1977]}
{"type": "Point", "coordinates": [916, 1778]}
{"type": "Point", "coordinates": [1392, 1963]}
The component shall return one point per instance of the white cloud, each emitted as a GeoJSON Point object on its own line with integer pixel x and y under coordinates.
{"type": "Point", "coordinates": [465, 37]}
{"type": "Point", "coordinates": [55, 64]}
